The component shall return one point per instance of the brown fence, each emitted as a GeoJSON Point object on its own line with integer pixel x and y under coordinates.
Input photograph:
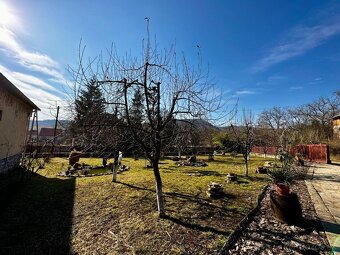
{"type": "Point", "coordinates": [310, 152]}
{"type": "Point", "coordinates": [271, 150]}
{"type": "Point", "coordinates": [313, 152]}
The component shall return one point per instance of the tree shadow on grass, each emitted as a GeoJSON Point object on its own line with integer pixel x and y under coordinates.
{"type": "Point", "coordinates": [196, 226]}
{"type": "Point", "coordinates": [37, 219]}
{"type": "Point", "coordinates": [199, 200]}
{"type": "Point", "coordinates": [203, 214]}
{"type": "Point", "coordinates": [195, 212]}
{"type": "Point", "coordinates": [135, 187]}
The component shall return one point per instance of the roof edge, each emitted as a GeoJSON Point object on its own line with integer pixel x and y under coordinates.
{"type": "Point", "coordinates": [9, 86]}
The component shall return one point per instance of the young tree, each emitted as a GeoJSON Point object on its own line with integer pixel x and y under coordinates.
{"type": "Point", "coordinates": [171, 89]}
{"type": "Point", "coordinates": [244, 137]}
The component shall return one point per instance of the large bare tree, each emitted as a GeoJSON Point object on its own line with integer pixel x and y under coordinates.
{"type": "Point", "coordinates": [318, 115]}
{"type": "Point", "coordinates": [274, 121]}
{"type": "Point", "coordinates": [171, 89]}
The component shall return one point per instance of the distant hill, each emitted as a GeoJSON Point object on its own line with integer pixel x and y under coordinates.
{"type": "Point", "coordinates": [51, 123]}
{"type": "Point", "coordinates": [198, 123]}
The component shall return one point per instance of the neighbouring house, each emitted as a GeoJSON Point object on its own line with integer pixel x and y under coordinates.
{"type": "Point", "coordinates": [336, 125]}
{"type": "Point", "coordinates": [15, 111]}
{"type": "Point", "coordinates": [47, 134]}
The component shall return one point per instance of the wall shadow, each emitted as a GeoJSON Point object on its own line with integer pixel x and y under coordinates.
{"type": "Point", "coordinates": [38, 217]}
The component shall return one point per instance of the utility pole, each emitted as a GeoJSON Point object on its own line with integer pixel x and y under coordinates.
{"type": "Point", "coordinates": [55, 129]}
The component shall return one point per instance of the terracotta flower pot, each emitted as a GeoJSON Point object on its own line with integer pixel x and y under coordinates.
{"type": "Point", "coordinates": [282, 189]}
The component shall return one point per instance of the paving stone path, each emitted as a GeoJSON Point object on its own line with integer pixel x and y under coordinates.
{"type": "Point", "coordinates": [324, 188]}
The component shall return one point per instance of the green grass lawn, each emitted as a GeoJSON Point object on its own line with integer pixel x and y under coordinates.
{"type": "Point", "coordinates": [91, 215]}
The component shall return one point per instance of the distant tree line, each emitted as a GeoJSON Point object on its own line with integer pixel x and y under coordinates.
{"type": "Point", "coordinates": [283, 127]}
{"type": "Point", "coordinates": [308, 123]}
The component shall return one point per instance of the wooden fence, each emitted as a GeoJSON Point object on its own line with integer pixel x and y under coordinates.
{"type": "Point", "coordinates": [313, 152]}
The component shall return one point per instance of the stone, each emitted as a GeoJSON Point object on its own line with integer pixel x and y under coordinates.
{"type": "Point", "coordinates": [215, 190]}
{"type": "Point", "coordinates": [231, 177]}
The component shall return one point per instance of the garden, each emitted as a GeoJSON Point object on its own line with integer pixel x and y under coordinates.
{"type": "Point", "coordinates": [59, 215]}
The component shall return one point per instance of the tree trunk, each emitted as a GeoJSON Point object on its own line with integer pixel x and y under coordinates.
{"type": "Point", "coordinates": [159, 190]}
{"type": "Point", "coordinates": [246, 165]}
{"type": "Point", "coordinates": [115, 167]}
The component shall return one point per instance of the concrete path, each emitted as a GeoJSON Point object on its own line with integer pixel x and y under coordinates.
{"type": "Point", "coordinates": [324, 188]}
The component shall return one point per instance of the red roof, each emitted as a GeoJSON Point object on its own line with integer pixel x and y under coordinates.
{"type": "Point", "coordinates": [49, 131]}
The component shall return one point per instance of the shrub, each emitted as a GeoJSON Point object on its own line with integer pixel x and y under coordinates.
{"type": "Point", "coordinates": [283, 174]}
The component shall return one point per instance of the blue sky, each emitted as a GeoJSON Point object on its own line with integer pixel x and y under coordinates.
{"type": "Point", "coordinates": [265, 53]}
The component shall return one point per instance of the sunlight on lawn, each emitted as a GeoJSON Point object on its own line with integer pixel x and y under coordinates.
{"type": "Point", "coordinates": [128, 208]}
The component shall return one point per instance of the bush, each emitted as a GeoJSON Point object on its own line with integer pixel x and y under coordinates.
{"type": "Point", "coordinates": [334, 147]}
{"type": "Point", "coordinates": [283, 174]}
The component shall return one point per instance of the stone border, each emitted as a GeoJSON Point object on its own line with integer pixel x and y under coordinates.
{"type": "Point", "coordinates": [244, 223]}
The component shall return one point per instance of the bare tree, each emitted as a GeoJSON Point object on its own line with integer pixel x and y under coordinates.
{"type": "Point", "coordinates": [316, 117]}
{"type": "Point", "coordinates": [266, 138]}
{"type": "Point", "coordinates": [274, 121]}
{"type": "Point", "coordinates": [171, 87]}
{"type": "Point", "coordinates": [244, 136]}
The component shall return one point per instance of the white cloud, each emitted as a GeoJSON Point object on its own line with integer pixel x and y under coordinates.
{"type": "Point", "coordinates": [33, 81]}
{"type": "Point", "coordinates": [294, 88]}
{"type": "Point", "coordinates": [35, 87]}
{"type": "Point", "coordinates": [42, 98]}
{"type": "Point", "coordinates": [245, 92]}
{"type": "Point", "coordinates": [33, 61]}
{"type": "Point", "coordinates": [297, 42]}
{"type": "Point", "coordinates": [272, 80]}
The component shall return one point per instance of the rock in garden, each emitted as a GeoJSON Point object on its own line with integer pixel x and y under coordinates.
{"type": "Point", "coordinates": [215, 190]}
{"type": "Point", "coordinates": [231, 177]}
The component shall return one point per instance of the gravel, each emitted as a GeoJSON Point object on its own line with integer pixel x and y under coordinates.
{"type": "Point", "coordinates": [266, 235]}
